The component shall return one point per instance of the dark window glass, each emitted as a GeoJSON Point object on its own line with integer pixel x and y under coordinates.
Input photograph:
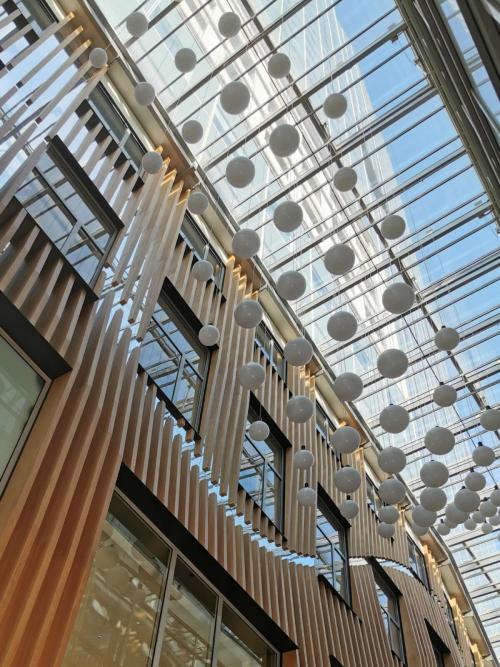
{"type": "Point", "coordinates": [261, 473]}
{"type": "Point", "coordinates": [451, 618]}
{"type": "Point", "coordinates": [372, 498]}
{"type": "Point", "coordinates": [239, 645]}
{"type": "Point", "coordinates": [51, 196]}
{"type": "Point", "coordinates": [272, 351]}
{"type": "Point", "coordinates": [438, 656]}
{"type": "Point", "coordinates": [389, 608]}
{"type": "Point", "coordinates": [331, 548]}
{"type": "Point", "coordinates": [175, 359]}
{"type": "Point", "coordinates": [417, 562]}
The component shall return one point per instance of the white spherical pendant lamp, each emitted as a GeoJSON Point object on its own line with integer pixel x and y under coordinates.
{"type": "Point", "coordinates": [392, 460]}
{"type": "Point", "coordinates": [345, 179]}
{"type": "Point", "coordinates": [434, 473]}
{"type": "Point", "coordinates": [258, 430]}
{"type": "Point", "coordinates": [490, 419]}
{"type": "Point", "coordinates": [339, 259]}
{"type": "Point", "coordinates": [348, 386]}
{"type": "Point", "coordinates": [346, 440]}
{"type": "Point", "coordinates": [420, 531]}
{"type": "Point", "coordinates": [303, 459]}
{"type": "Point", "coordinates": [98, 57]}
{"type": "Point", "coordinates": [466, 500]}
{"type": "Point", "coordinates": [246, 243]}
{"type": "Point", "coordinates": [202, 270]}
{"type": "Point", "coordinates": [291, 285]}
{"type": "Point", "coordinates": [347, 479]}
{"type": "Point", "coordinates": [483, 455]}
{"type": "Point", "coordinates": [487, 508]}
{"type": "Point", "coordinates": [470, 524]}
{"type": "Point", "coordinates": [197, 203]}
{"type": "Point", "coordinates": [299, 409]}
{"type": "Point", "coordinates": [495, 520]}
{"type": "Point", "coordinates": [433, 499]}
{"type": "Point", "coordinates": [341, 325]}
{"type": "Point", "coordinates": [144, 94]}
{"type": "Point", "coordinates": [392, 491]}
{"type": "Point", "coordinates": [446, 338]}
{"type": "Point", "coordinates": [392, 363]}
{"type": "Point", "coordinates": [306, 497]}
{"type": "Point", "coordinates": [251, 376]}
{"type": "Point", "coordinates": [288, 216]}
{"type": "Point", "coordinates": [152, 162]}
{"type": "Point", "coordinates": [444, 395]}
{"type": "Point", "coordinates": [229, 24]}
{"type": "Point", "coordinates": [392, 227]}
{"type": "Point", "coordinates": [456, 515]}
{"type": "Point", "coordinates": [240, 172]}
{"type": "Point", "coordinates": [486, 528]}
{"type": "Point", "coordinates": [284, 140]}
{"type": "Point", "coordinates": [209, 335]}
{"type": "Point", "coordinates": [349, 509]}
{"type": "Point", "coordinates": [443, 529]}
{"type": "Point", "coordinates": [394, 419]}
{"type": "Point", "coordinates": [439, 440]}
{"type": "Point", "coordinates": [137, 24]}
{"type": "Point", "coordinates": [398, 298]}
{"type": "Point", "coordinates": [475, 481]}
{"type": "Point", "coordinates": [278, 65]}
{"type": "Point", "coordinates": [248, 313]}
{"type": "Point", "coordinates": [298, 352]}
{"type": "Point", "coordinates": [335, 105]}
{"type": "Point", "coordinates": [477, 516]}
{"type": "Point", "coordinates": [234, 97]}
{"type": "Point", "coordinates": [185, 60]}
{"type": "Point", "coordinates": [495, 497]}
{"type": "Point", "coordinates": [422, 516]}
{"type": "Point", "coordinates": [388, 514]}
{"type": "Point", "coordinates": [192, 131]}
{"type": "Point", "coordinates": [386, 530]}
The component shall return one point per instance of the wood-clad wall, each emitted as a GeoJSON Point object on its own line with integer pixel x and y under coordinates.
{"type": "Point", "coordinates": [103, 412]}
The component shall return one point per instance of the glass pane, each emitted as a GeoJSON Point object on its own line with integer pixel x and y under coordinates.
{"type": "Point", "coordinates": [20, 387]}
{"type": "Point", "coordinates": [118, 617]}
{"type": "Point", "coordinates": [239, 646]}
{"type": "Point", "coordinates": [189, 630]}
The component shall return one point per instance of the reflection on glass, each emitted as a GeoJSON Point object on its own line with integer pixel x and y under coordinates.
{"type": "Point", "coordinates": [331, 549]}
{"type": "Point", "coordinates": [189, 631]}
{"type": "Point", "coordinates": [239, 646]}
{"type": "Point", "coordinates": [118, 617]}
{"type": "Point", "coordinates": [20, 388]}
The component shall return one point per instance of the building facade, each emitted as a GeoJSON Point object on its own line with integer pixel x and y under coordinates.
{"type": "Point", "coordinates": [140, 524]}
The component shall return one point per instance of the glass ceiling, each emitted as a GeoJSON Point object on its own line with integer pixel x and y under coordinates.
{"type": "Point", "coordinates": [399, 138]}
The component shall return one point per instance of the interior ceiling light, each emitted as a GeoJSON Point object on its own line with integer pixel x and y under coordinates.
{"type": "Point", "coordinates": [306, 497]}
{"type": "Point", "coordinates": [202, 270]}
{"type": "Point", "coordinates": [240, 172]}
{"type": "Point", "coordinates": [248, 314]}
{"type": "Point", "coordinates": [209, 335]}
{"type": "Point", "coordinates": [443, 529]}
{"type": "Point", "coordinates": [335, 105]}
{"type": "Point", "coordinates": [446, 338]}
{"type": "Point", "coordinates": [348, 386]}
{"type": "Point", "coordinates": [392, 460]}
{"type": "Point", "coordinates": [197, 203]}
{"type": "Point", "coordinates": [466, 500]}
{"type": "Point", "coordinates": [392, 491]}
{"type": "Point", "coordinates": [251, 375]}
{"type": "Point", "coordinates": [298, 352]}
{"type": "Point", "coordinates": [423, 517]}
{"type": "Point", "coordinates": [284, 140]}
{"type": "Point", "coordinates": [185, 60]}
{"type": "Point", "coordinates": [432, 498]}
{"type": "Point", "coordinates": [291, 285]}
{"type": "Point", "coordinates": [303, 459]}
{"type": "Point", "coordinates": [259, 430]}
{"type": "Point", "coordinates": [394, 419]}
{"type": "Point", "coordinates": [420, 530]}
{"type": "Point", "coordinates": [483, 455]}
{"type": "Point", "coordinates": [434, 473]}
{"type": "Point", "coordinates": [456, 515]}
{"type": "Point", "coordinates": [299, 409]}
{"type": "Point", "coordinates": [152, 162]}
{"type": "Point", "coordinates": [278, 65]}
{"type": "Point", "coordinates": [288, 216]}
{"type": "Point", "coordinates": [487, 508]}
{"type": "Point", "coordinates": [477, 516]}
{"type": "Point", "coordinates": [192, 131]}
{"type": "Point", "coordinates": [235, 97]}
{"type": "Point", "coordinates": [388, 514]}
{"type": "Point", "coordinates": [490, 419]}
{"type": "Point", "coordinates": [349, 508]}
{"type": "Point", "coordinates": [346, 440]}
{"type": "Point", "coordinates": [495, 497]}
{"type": "Point", "coordinates": [392, 227]}
{"type": "Point", "coordinates": [345, 179]}
{"type": "Point", "coordinates": [392, 363]}
{"type": "Point", "coordinates": [137, 24]}
{"type": "Point", "coordinates": [144, 93]}
{"type": "Point", "coordinates": [470, 524]}
{"type": "Point", "coordinates": [386, 530]}
{"type": "Point", "coordinates": [347, 479]}
{"type": "Point", "coordinates": [339, 259]}
{"type": "Point", "coordinates": [98, 57]}
{"type": "Point", "coordinates": [439, 440]}
{"type": "Point", "coordinates": [398, 298]}
{"type": "Point", "coordinates": [229, 24]}
{"type": "Point", "coordinates": [475, 481]}
{"type": "Point", "coordinates": [486, 528]}
{"type": "Point", "coordinates": [246, 243]}
{"type": "Point", "coordinates": [342, 325]}
{"type": "Point", "coordinates": [444, 395]}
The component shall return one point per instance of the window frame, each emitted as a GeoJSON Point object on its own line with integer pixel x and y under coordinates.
{"type": "Point", "coordinates": [331, 514]}
{"type": "Point", "coordinates": [451, 618]}
{"type": "Point", "coordinates": [382, 582]}
{"type": "Point", "coordinates": [374, 503]}
{"type": "Point", "coordinates": [420, 569]}
{"type": "Point", "coordinates": [18, 449]}
{"type": "Point", "coordinates": [262, 331]}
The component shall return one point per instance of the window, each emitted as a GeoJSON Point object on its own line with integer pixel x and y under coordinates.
{"type": "Point", "coordinates": [262, 470]}
{"type": "Point", "coordinates": [439, 648]}
{"type": "Point", "coordinates": [372, 498]}
{"type": "Point", "coordinates": [389, 608]}
{"type": "Point", "coordinates": [417, 562]}
{"type": "Point", "coordinates": [438, 656]}
{"type": "Point", "coordinates": [144, 604]}
{"type": "Point", "coordinates": [22, 390]}
{"type": "Point", "coordinates": [451, 618]}
{"type": "Point", "coordinates": [53, 196]}
{"type": "Point", "coordinates": [272, 351]}
{"type": "Point", "coordinates": [175, 359]}
{"type": "Point", "coordinates": [331, 546]}
{"type": "Point", "coordinates": [191, 233]}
